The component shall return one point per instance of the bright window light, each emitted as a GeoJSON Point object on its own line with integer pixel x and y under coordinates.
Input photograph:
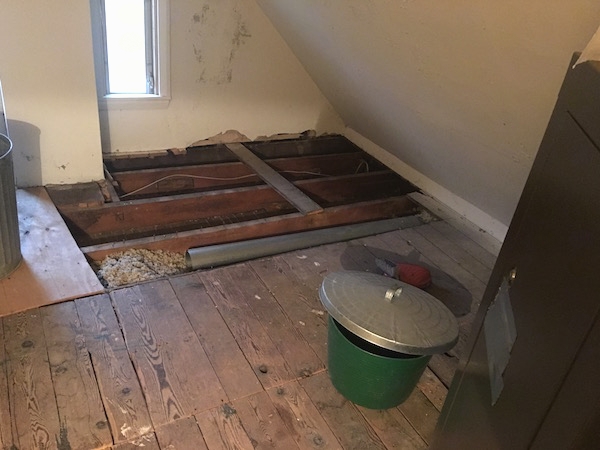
{"type": "Point", "coordinates": [126, 47]}
{"type": "Point", "coordinates": [131, 53]}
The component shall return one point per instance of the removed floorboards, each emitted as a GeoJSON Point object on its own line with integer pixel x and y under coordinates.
{"type": "Point", "coordinates": [230, 192]}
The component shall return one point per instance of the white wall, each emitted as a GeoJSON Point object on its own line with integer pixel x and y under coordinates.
{"type": "Point", "coordinates": [460, 91]}
{"type": "Point", "coordinates": [230, 69]}
{"type": "Point", "coordinates": [46, 68]}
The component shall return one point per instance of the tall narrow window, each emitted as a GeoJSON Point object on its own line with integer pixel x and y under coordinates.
{"type": "Point", "coordinates": [130, 49]}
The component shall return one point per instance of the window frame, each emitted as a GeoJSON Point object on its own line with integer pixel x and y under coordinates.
{"type": "Point", "coordinates": [158, 33]}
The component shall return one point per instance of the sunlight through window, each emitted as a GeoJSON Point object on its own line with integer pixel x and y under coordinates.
{"type": "Point", "coordinates": [126, 47]}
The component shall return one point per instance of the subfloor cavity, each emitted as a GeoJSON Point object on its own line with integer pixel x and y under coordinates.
{"type": "Point", "coordinates": [137, 265]}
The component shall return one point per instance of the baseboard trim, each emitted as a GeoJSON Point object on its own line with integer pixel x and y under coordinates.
{"type": "Point", "coordinates": [461, 207]}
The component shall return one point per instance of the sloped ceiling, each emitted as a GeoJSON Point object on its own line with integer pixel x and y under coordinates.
{"type": "Point", "coordinates": [461, 91]}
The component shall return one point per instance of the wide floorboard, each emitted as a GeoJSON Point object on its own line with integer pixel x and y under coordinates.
{"type": "Point", "coordinates": [230, 358]}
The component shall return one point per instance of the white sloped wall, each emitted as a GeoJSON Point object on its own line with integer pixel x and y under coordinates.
{"type": "Point", "coordinates": [459, 91]}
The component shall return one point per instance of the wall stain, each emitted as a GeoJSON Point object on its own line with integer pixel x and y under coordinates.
{"type": "Point", "coordinates": [217, 34]}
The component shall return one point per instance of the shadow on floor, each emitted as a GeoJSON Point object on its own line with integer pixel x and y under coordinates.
{"type": "Point", "coordinates": [443, 287]}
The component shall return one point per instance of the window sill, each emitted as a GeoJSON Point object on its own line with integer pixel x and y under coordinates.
{"type": "Point", "coordinates": [129, 101]}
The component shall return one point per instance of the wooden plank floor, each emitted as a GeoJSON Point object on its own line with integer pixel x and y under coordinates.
{"type": "Point", "coordinates": [231, 358]}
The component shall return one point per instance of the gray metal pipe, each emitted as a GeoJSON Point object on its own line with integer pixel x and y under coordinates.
{"type": "Point", "coordinates": [221, 254]}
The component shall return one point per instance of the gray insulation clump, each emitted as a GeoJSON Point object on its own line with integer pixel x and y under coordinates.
{"type": "Point", "coordinates": [136, 265]}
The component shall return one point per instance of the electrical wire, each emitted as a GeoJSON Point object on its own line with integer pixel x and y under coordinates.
{"type": "Point", "coordinates": [241, 177]}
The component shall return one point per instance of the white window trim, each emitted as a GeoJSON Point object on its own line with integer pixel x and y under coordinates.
{"type": "Point", "coordinates": [134, 101]}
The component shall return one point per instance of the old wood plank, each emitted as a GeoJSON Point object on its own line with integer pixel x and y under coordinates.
{"type": "Point", "coordinates": [393, 429]}
{"type": "Point", "coordinates": [53, 268]}
{"type": "Point", "coordinates": [263, 424]}
{"type": "Point", "coordinates": [146, 442]}
{"type": "Point", "coordinates": [458, 254]}
{"type": "Point", "coordinates": [482, 255]}
{"type": "Point", "coordinates": [345, 421]}
{"type": "Point", "coordinates": [6, 425]}
{"type": "Point", "coordinates": [270, 226]}
{"type": "Point", "coordinates": [421, 414]}
{"type": "Point", "coordinates": [119, 386]}
{"type": "Point", "coordinates": [175, 373]}
{"type": "Point", "coordinates": [308, 428]}
{"type": "Point", "coordinates": [299, 302]}
{"type": "Point", "coordinates": [223, 430]}
{"type": "Point", "coordinates": [300, 358]}
{"type": "Point", "coordinates": [182, 434]}
{"type": "Point", "coordinates": [486, 240]}
{"type": "Point", "coordinates": [80, 408]}
{"type": "Point", "coordinates": [311, 265]}
{"type": "Point", "coordinates": [444, 367]}
{"type": "Point", "coordinates": [259, 349]}
{"type": "Point", "coordinates": [295, 196]}
{"type": "Point", "coordinates": [33, 410]}
{"type": "Point", "coordinates": [232, 368]}
{"type": "Point", "coordinates": [433, 388]}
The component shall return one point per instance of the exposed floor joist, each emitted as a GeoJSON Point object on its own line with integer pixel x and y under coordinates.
{"type": "Point", "coordinates": [229, 192]}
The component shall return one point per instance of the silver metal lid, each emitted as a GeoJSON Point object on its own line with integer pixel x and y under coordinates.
{"type": "Point", "coordinates": [389, 313]}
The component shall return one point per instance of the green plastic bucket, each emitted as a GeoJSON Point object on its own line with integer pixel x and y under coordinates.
{"type": "Point", "coordinates": [370, 375]}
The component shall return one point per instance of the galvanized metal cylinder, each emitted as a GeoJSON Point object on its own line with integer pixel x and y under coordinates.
{"type": "Point", "coordinates": [10, 243]}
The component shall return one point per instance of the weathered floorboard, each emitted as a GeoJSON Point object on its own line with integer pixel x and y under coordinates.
{"type": "Point", "coordinates": [174, 371]}
{"type": "Point", "coordinates": [393, 429]}
{"type": "Point", "coordinates": [83, 420]}
{"type": "Point", "coordinates": [261, 352]}
{"type": "Point", "coordinates": [456, 253]}
{"type": "Point", "coordinates": [6, 425]}
{"type": "Point", "coordinates": [232, 368]}
{"type": "Point", "coordinates": [300, 358]}
{"type": "Point", "coordinates": [146, 442]}
{"type": "Point", "coordinates": [34, 413]}
{"type": "Point", "coordinates": [307, 427]}
{"type": "Point", "coordinates": [347, 423]}
{"type": "Point", "coordinates": [181, 434]}
{"type": "Point", "coordinates": [223, 430]}
{"type": "Point", "coordinates": [263, 424]}
{"type": "Point", "coordinates": [298, 301]}
{"type": "Point", "coordinates": [120, 388]}
{"type": "Point", "coordinates": [421, 414]}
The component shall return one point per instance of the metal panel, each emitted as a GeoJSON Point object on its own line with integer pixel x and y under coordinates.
{"type": "Point", "coordinates": [553, 240]}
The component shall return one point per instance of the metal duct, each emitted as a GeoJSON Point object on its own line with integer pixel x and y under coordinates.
{"type": "Point", "coordinates": [222, 254]}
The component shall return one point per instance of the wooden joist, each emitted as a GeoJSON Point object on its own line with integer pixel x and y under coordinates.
{"type": "Point", "coordinates": [176, 213]}
{"type": "Point", "coordinates": [272, 226]}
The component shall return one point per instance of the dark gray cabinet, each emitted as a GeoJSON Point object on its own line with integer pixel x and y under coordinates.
{"type": "Point", "coordinates": [549, 384]}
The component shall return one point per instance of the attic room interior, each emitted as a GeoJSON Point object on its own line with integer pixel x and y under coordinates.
{"type": "Point", "coordinates": [280, 146]}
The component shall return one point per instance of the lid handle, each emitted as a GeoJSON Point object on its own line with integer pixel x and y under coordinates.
{"type": "Point", "coordinates": [391, 294]}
